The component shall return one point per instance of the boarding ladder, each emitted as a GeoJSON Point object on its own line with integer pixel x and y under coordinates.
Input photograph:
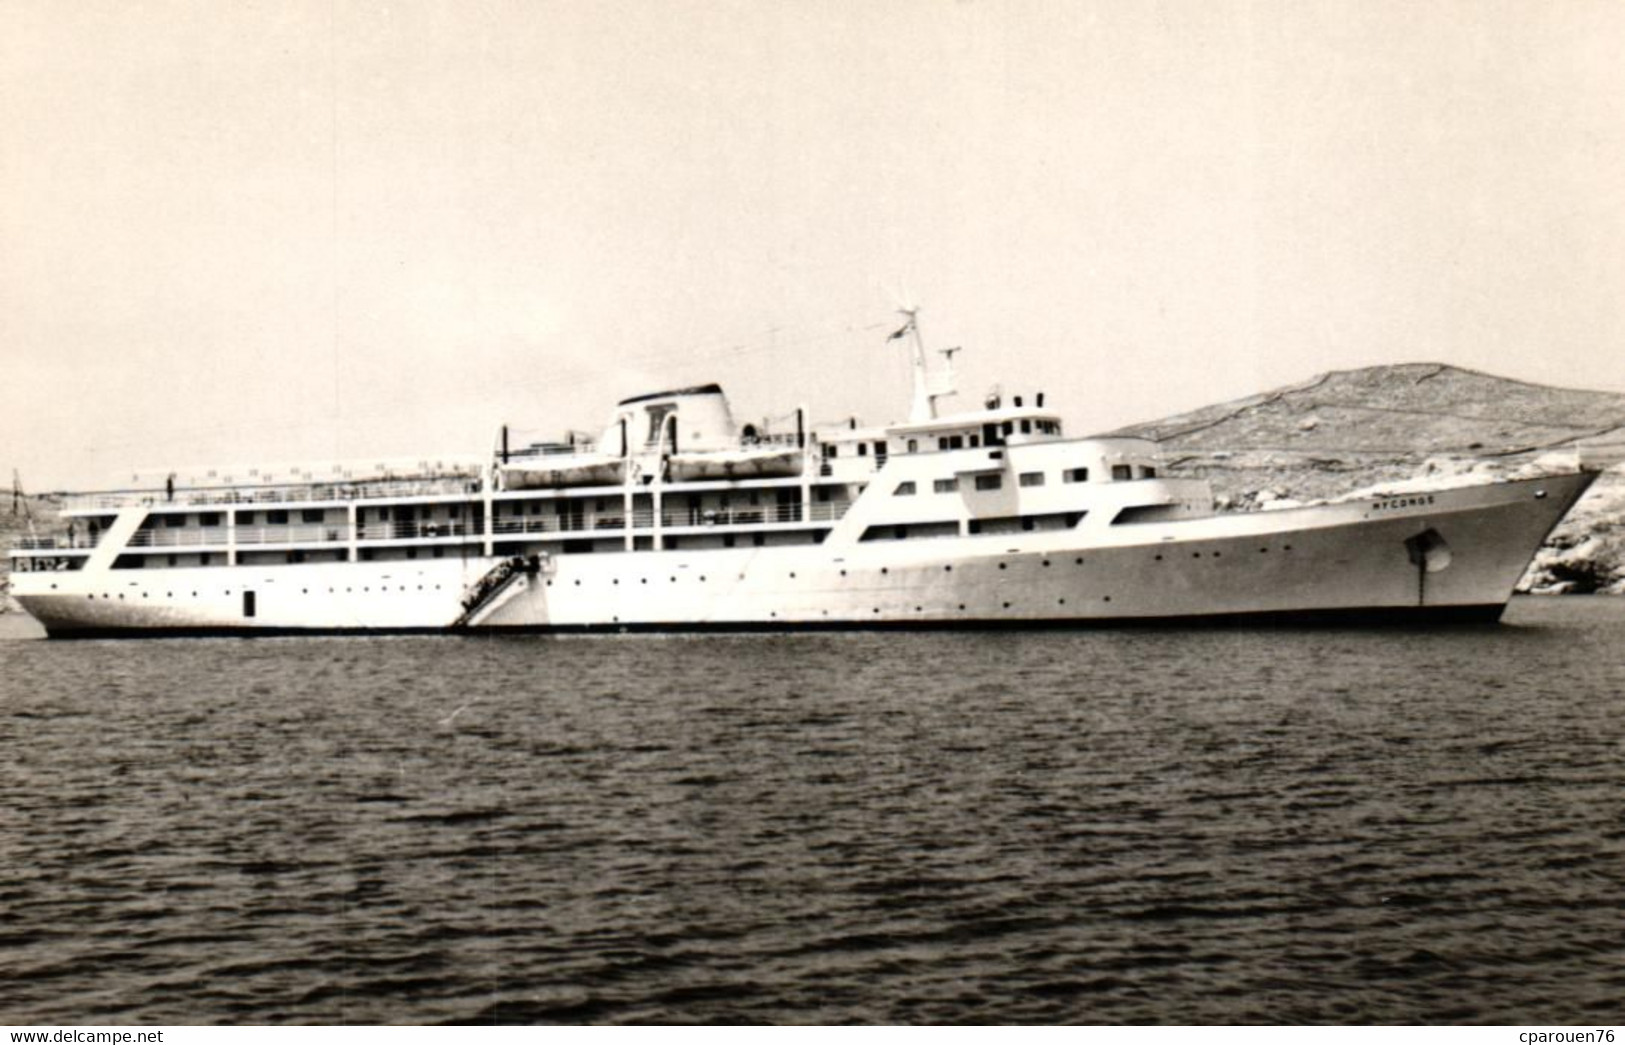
{"type": "Point", "coordinates": [499, 583]}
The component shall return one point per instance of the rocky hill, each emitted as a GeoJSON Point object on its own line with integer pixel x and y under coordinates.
{"type": "Point", "coordinates": [1352, 429]}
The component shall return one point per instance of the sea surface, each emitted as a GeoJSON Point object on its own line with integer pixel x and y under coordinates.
{"type": "Point", "coordinates": [1228, 825]}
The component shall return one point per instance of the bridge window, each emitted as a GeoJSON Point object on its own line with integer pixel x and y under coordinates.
{"type": "Point", "coordinates": [1122, 471]}
{"type": "Point", "coordinates": [1148, 472]}
{"type": "Point", "coordinates": [1075, 475]}
{"type": "Point", "coordinates": [905, 489]}
{"type": "Point", "coordinates": [989, 482]}
{"type": "Point", "coordinates": [945, 486]}
{"type": "Point", "coordinates": [1032, 478]}
{"type": "Point", "coordinates": [913, 446]}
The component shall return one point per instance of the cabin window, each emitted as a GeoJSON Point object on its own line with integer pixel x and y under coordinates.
{"type": "Point", "coordinates": [990, 434]}
{"type": "Point", "coordinates": [945, 486]}
{"type": "Point", "coordinates": [758, 539]}
{"type": "Point", "coordinates": [1008, 428]}
{"type": "Point", "coordinates": [956, 442]}
{"type": "Point", "coordinates": [863, 449]}
{"type": "Point", "coordinates": [1148, 472]}
{"type": "Point", "coordinates": [905, 489]}
{"type": "Point", "coordinates": [975, 441]}
{"type": "Point", "coordinates": [248, 604]}
{"type": "Point", "coordinates": [383, 515]}
{"type": "Point", "coordinates": [1032, 478]}
{"type": "Point", "coordinates": [913, 446]}
{"type": "Point", "coordinates": [276, 516]}
{"type": "Point", "coordinates": [209, 519]}
{"type": "Point", "coordinates": [311, 515]}
{"type": "Point", "coordinates": [1122, 471]}
{"type": "Point", "coordinates": [203, 560]}
{"type": "Point", "coordinates": [1075, 475]}
{"type": "Point", "coordinates": [174, 521]}
{"type": "Point", "coordinates": [942, 442]}
{"type": "Point", "coordinates": [989, 482]}
{"type": "Point", "coordinates": [831, 451]}
{"type": "Point", "coordinates": [727, 540]}
{"type": "Point", "coordinates": [880, 448]}
{"type": "Point", "coordinates": [1026, 426]}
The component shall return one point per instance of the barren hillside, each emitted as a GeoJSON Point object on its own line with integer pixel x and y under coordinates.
{"type": "Point", "coordinates": [1354, 428]}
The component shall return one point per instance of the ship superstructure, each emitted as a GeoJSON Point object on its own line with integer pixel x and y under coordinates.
{"type": "Point", "coordinates": [677, 517]}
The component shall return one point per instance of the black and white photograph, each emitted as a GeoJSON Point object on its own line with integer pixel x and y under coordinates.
{"type": "Point", "coordinates": [812, 512]}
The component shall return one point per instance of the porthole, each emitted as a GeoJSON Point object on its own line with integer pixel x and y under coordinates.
{"type": "Point", "coordinates": [1061, 602]}
{"type": "Point", "coordinates": [1159, 558]}
{"type": "Point", "coordinates": [1007, 605]}
{"type": "Point", "coordinates": [617, 580]}
{"type": "Point", "coordinates": [1001, 565]}
{"type": "Point", "coordinates": [1108, 598]}
{"type": "Point", "coordinates": [883, 570]}
{"type": "Point", "coordinates": [1046, 562]}
{"type": "Point", "coordinates": [947, 569]}
{"type": "Point", "coordinates": [962, 605]}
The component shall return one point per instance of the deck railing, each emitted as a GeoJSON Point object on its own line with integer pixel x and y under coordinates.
{"type": "Point", "coordinates": [455, 486]}
{"type": "Point", "coordinates": [641, 518]}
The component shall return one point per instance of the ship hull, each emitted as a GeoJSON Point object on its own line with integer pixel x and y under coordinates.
{"type": "Point", "coordinates": [1443, 556]}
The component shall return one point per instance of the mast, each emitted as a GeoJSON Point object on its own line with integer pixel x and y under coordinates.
{"type": "Point", "coordinates": [923, 407]}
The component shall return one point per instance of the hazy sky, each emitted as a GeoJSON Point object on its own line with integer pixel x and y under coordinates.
{"type": "Point", "coordinates": [238, 232]}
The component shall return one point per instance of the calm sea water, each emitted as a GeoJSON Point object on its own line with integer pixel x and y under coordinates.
{"type": "Point", "coordinates": [1099, 826]}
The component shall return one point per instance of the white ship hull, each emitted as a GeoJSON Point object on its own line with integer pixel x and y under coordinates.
{"type": "Point", "coordinates": [1357, 560]}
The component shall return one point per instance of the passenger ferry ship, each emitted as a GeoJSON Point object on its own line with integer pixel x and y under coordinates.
{"type": "Point", "coordinates": [678, 518]}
